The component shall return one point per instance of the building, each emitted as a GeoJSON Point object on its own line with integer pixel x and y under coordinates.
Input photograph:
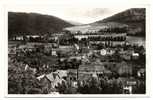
{"type": "Point", "coordinates": [141, 73]}
{"type": "Point", "coordinates": [128, 84]}
{"type": "Point", "coordinates": [86, 71]}
{"type": "Point", "coordinates": [51, 80]}
{"type": "Point", "coordinates": [124, 68]}
{"type": "Point", "coordinates": [135, 55]}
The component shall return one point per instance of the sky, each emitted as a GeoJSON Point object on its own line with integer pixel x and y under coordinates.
{"type": "Point", "coordinates": [82, 15]}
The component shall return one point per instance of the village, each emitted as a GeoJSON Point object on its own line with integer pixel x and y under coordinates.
{"type": "Point", "coordinates": [98, 62]}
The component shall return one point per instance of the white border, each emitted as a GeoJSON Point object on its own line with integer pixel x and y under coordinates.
{"type": "Point", "coordinates": [77, 4]}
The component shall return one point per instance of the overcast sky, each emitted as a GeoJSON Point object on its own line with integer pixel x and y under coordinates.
{"type": "Point", "coordinates": [81, 15]}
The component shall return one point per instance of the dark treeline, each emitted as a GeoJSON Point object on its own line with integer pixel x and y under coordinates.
{"type": "Point", "coordinates": [32, 23]}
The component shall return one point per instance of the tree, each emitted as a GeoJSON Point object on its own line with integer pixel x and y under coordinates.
{"type": "Point", "coordinates": [21, 81]}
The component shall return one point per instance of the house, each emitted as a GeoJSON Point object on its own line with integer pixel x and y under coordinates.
{"type": "Point", "coordinates": [135, 56]}
{"type": "Point", "coordinates": [107, 51]}
{"type": "Point", "coordinates": [40, 77]}
{"type": "Point", "coordinates": [103, 52]}
{"type": "Point", "coordinates": [127, 89]}
{"type": "Point", "coordinates": [28, 68]}
{"type": "Point", "coordinates": [62, 73]}
{"type": "Point", "coordinates": [19, 38]}
{"type": "Point", "coordinates": [87, 71]}
{"type": "Point", "coordinates": [74, 84]}
{"type": "Point", "coordinates": [12, 51]}
{"type": "Point", "coordinates": [45, 83]}
{"type": "Point", "coordinates": [127, 84]}
{"type": "Point", "coordinates": [141, 73]}
{"type": "Point", "coordinates": [33, 36]}
{"type": "Point", "coordinates": [54, 53]}
{"type": "Point", "coordinates": [66, 47]}
{"type": "Point", "coordinates": [75, 57]}
{"type": "Point", "coordinates": [85, 59]}
{"type": "Point", "coordinates": [53, 79]}
{"type": "Point", "coordinates": [77, 46]}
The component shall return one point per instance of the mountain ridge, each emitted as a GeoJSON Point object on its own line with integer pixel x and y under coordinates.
{"type": "Point", "coordinates": [134, 18]}
{"type": "Point", "coordinates": [20, 23]}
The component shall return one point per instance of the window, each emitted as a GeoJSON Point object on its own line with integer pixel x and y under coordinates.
{"type": "Point", "coordinates": [74, 78]}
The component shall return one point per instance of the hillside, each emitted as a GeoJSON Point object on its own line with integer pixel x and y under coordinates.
{"type": "Point", "coordinates": [94, 27]}
{"type": "Point", "coordinates": [134, 18]}
{"type": "Point", "coordinates": [74, 22]}
{"type": "Point", "coordinates": [33, 23]}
